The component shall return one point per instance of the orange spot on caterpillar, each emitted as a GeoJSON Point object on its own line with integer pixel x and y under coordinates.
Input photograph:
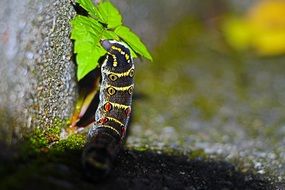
{"type": "Point", "coordinates": [103, 120]}
{"type": "Point", "coordinates": [108, 107]}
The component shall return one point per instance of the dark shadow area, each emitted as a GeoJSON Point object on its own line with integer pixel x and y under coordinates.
{"type": "Point", "coordinates": [133, 170]}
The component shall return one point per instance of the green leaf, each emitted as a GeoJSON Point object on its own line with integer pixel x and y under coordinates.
{"type": "Point", "coordinates": [88, 57]}
{"type": "Point", "coordinates": [109, 14]}
{"type": "Point", "coordinates": [104, 22]}
{"type": "Point", "coordinates": [133, 41]}
{"type": "Point", "coordinates": [89, 7]}
{"type": "Point", "coordinates": [110, 35]}
{"type": "Point", "coordinates": [104, 11]}
{"type": "Point", "coordinates": [85, 29]}
{"type": "Point", "coordinates": [87, 33]}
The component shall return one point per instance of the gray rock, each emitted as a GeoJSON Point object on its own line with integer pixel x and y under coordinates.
{"type": "Point", "coordinates": [37, 86]}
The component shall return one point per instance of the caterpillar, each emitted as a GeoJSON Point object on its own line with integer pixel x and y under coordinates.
{"type": "Point", "coordinates": [105, 137]}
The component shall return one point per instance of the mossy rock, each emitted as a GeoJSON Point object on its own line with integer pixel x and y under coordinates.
{"type": "Point", "coordinates": [38, 84]}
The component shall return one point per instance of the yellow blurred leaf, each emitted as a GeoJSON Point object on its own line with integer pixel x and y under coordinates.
{"type": "Point", "coordinates": [268, 15]}
{"type": "Point", "coordinates": [237, 33]}
{"type": "Point", "coordinates": [262, 28]}
{"type": "Point", "coordinates": [270, 43]}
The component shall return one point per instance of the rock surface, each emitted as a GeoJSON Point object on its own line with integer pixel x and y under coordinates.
{"type": "Point", "coordinates": [37, 87]}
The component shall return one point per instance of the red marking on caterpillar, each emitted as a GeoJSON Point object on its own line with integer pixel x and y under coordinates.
{"type": "Point", "coordinates": [103, 120]}
{"type": "Point", "coordinates": [128, 111]}
{"type": "Point", "coordinates": [123, 131]}
{"type": "Point", "coordinates": [108, 107]}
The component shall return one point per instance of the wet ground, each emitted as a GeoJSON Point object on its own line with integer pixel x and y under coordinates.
{"type": "Point", "coordinates": [133, 170]}
{"type": "Point", "coordinates": [201, 95]}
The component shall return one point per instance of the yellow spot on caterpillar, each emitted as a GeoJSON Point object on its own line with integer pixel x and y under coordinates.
{"type": "Point", "coordinates": [127, 56]}
{"type": "Point", "coordinates": [131, 89]}
{"type": "Point", "coordinates": [115, 63]}
{"type": "Point", "coordinates": [129, 72]}
{"type": "Point", "coordinates": [113, 77]}
{"type": "Point", "coordinates": [116, 48]}
{"type": "Point", "coordinates": [115, 120]}
{"type": "Point", "coordinates": [111, 90]}
{"type": "Point", "coordinates": [114, 88]}
{"type": "Point", "coordinates": [119, 106]}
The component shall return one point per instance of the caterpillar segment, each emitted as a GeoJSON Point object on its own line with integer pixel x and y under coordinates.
{"type": "Point", "coordinates": [112, 115]}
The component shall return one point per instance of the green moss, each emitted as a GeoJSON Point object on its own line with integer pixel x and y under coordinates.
{"type": "Point", "coordinates": [40, 152]}
{"type": "Point", "coordinates": [199, 153]}
{"type": "Point", "coordinates": [139, 148]}
{"type": "Point", "coordinates": [207, 106]}
{"type": "Point", "coordinates": [39, 140]}
{"type": "Point", "coordinates": [147, 146]}
{"type": "Point", "coordinates": [73, 142]}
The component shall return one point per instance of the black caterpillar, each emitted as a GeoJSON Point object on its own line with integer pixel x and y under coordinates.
{"type": "Point", "coordinates": [111, 118]}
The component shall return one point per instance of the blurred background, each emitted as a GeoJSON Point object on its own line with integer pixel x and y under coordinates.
{"type": "Point", "coordinates": [216, 85]}
{"type": "Point", "coordinates": [214, 90]}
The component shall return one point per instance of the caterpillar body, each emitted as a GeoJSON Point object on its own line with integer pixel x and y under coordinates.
{"type": "Point", "coordinates": [113, 112]}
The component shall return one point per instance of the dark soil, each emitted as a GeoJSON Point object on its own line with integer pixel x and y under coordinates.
{"type": "Point", "coordinates": [133, 170]}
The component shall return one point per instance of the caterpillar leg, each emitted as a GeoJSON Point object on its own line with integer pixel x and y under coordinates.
{"type": "Point", "coordinates": [100, 152]}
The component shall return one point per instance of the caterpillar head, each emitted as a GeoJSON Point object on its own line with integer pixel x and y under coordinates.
{"type": "Point", "coordinates": [119, 56]}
